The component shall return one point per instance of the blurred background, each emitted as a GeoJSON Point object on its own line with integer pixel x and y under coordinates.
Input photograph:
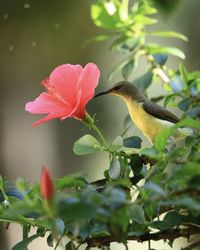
{"type": "Point", "coordinates": [35, 37]}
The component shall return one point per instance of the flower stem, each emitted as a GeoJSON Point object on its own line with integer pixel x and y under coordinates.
{"type": "Point", "coordinates": [89, 121]}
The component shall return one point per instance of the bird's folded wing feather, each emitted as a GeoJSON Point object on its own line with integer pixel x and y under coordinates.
{"type": "Point", "coordinates": [159, 112]}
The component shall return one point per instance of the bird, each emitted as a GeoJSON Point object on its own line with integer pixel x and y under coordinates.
{"type": "Point", "coordinates": [149, 117]}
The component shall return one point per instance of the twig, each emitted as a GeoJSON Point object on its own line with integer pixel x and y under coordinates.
{"type": "Point", "coordinates": [58, 243]}
{"type": "Point", "coordinates": [102, 182]}
{"type": "Point", "coordinates": [126, 246]}
{"type": "Point", "coordinates": [192, 192]}
{"type": "Point", "coordinates": [163, 235]}
{"type": "Point", "coordinates": [192, 246]}
{"type": "Point", "coordinates": [149, 245]}
{"type": "Point", "coordinates": [157, 69]}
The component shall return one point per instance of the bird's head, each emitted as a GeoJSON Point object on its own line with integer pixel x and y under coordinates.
{"type": "Point", "coordinates": [124, 89]}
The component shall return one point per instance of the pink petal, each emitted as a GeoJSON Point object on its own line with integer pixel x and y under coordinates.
{"type": "Point", "coordinates": [45, 104]}
{"type": "Point", "coordinates": [65, 78]}
{"type": "Point", "coordinates": [88, 81]}
{"type": "Point", "coordinates": [79, 111]}
{"type": "Point", "coordinates": [69, 88]}
{"type": "Point", "coordinates": [45, 119]}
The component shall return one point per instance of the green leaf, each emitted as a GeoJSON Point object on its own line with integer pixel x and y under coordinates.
{"type": "Point", "coordinates": [21, 184]}
{"type": "Point", "coordinates": [136, 163]}
{"type": "Point", "coordinates": [173, 219]}
{"type": "Point", "coordinates": [50, 240]}
{"type": "Point", "coordinates": [1, 182]}
{"type": "Point", "coordinates": [157, 98]}
{"type": "Point", "coordinates": [189, 123]}
{"type": "Point", "coordinates": [99, 38]}
{"type": "Point", "coordinates": [198, 84]}
{"type": "Point", "coordinates": [144, 81]}
{"type": "Point", "coordinates": [116, 144]}
{"type": "Point", "coordinates": [169, 34]}
{"type": "Point", "coordinates": [183, 72]}
{"type": "Point", "coordinates": [137, 214]}
{"type": "Point", "coordinates": [190, 169]}
{"type": "Point", "coordinates": [155, 188]}
{"type": "Point", "coordinates": [99, 230]}
{"type": "Point", "coordinates": [162, 137]}
{"type": "Point", "coordinates": [182, 202]}
{"type": "Point", "coordinates": [105, 15]}
{"type": "Point", "coordinates": [194, 90]}
{"type": "Point", "coordinates": [70, 181]}
{"type": "Point", "coordinates": [117, 68]}
{"type": "Point", "coordinates": [193, 75]}
{"type": "Point", "coordinates": [70, 246]}
{"type": "Point", "coordinates": [194, 182]}
{"type": "Point", "coordinates": [79, 228]}
{"type": "Point", "coordinates": [114, 170]}
{"type": "Point", "coordinates": [160, 58]}
{"type": "Point", "coordinates": [116, 196]}
{"type": "Point", "coordinates": [177, 84]}
{"type": "Point", "coordinates": [74, 209]}
{"type": "Point", "coordinates": [132, 142]}
{"type": "Point", "coordinates": [22, 245]}
{"type": "Point", "coordinates": [146, 8]}
{"type": "Point", "coordinates": [59, 226]}
{"type": "Point", "coordinates": [154, 49]}
{"type": "Point", "coordinates": [26, 230]}
{"type": "Point", "coordinates": [161, 225]}
{"type": "Point", "coordinates": [123, 10]}
{"type": "Point", "coordinates": [169, 98]}
{"type": "Point", "coordinates": [184, 104]}
{"type": "Point", "coordinates": [120, 221]}
{"type": "Point", "coordinates": [87, 145]}
{"type": "Point", "coordinates": [152, 153]}
{"type": "Point", "coordinates": [144, 20]}
{"type": "Point", "coordinates": [126, 44]}
{"type": "Point", "coordinates": [194, 112]}
{"type": "Point", "coordinates": [128, 69]}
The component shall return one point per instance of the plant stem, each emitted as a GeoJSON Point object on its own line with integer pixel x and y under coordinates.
{"type": "Point", "coordinates": [100, 135]}
{"type": "Point", "coordinates": [89, 121]}
{"type": "Point", "coordinates": [157, 69]}
{"type": "Point", "coordinates": [161, 235]}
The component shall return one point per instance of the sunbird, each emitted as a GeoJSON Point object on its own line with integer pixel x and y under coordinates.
{"type": "Point", "coordinates": [148, 116]}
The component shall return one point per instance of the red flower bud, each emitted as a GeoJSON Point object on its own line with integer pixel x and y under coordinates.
{"type": "Point", "coordinates": [46, 184]}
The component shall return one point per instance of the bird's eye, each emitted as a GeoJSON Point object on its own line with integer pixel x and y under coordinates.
{"type": "Point", "coordinates": [117, 87]}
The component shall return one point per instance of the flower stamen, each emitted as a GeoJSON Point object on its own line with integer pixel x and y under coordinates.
{"type": "Point", "coordinates": [50, 89]}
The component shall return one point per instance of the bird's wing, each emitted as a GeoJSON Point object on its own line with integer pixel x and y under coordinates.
{"type": "Point", "coordinates": [159, 112]}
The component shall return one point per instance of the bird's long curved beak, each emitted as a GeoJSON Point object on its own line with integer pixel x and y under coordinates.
{"type": "Point", "coordinates": [105, 92]}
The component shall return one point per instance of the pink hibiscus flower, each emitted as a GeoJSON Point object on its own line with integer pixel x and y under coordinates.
{"type": "Point", "coordinates": [68, 90]}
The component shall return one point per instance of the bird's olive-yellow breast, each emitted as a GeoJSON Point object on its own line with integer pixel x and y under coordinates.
{"type": "Point", "coordinates": [149, 117]}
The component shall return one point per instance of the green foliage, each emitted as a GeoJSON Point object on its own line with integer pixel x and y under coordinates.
{"type": "Point", "coordinates": [86, 145]}
{"type": "Point", "coordinates": [144, 188]}
{"type": "Point", "coordinates": [24, 244]}
{"type": "Point", "coordinates": [129, 26]}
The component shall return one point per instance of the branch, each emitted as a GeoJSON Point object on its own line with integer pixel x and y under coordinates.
{"type": "Point", "coordinates": [191, 192]}
{"type": "Point", "coordinates": [162, 235]}
{"type": "Point", "coordinates": [134, 180]}
{"type": "Point", "coordinates": [102, 182]}
{"type": "Point", "coordinates": [192, 246]}
{"type": "Point", "coordinates": [158, 69]}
